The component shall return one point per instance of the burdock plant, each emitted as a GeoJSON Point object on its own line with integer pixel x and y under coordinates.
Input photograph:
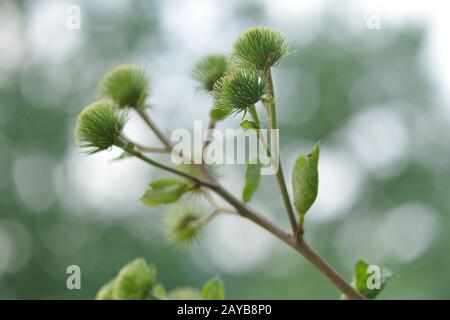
{"type": "Point", "coordinates": [238, 83]}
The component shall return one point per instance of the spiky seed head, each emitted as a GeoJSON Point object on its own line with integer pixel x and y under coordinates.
{"type": "Point", "coordinates": [181, 224]}
{"type": "Point", "coordinates": [260, 47]}
{"type": "Point", "coordinates": [126, 84]}
{"type": "Point", "coordinates": [210, 69]}
{"type": "Point", "coordinates": [134, 280]}
{"type": "Point", "coordinates": [99, 126]}
{"type": "Point", "coordinates": [239, 89]}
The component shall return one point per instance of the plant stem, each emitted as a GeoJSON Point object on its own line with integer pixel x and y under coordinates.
{"type": "Point", "coordinates": [254, 114]}
{"type": "Point", "coordinates": [254, 216]}
{"type": "Point", "coordinates": [273, 125]}
{"type": "Point", "coordinates": [155, 129]}
{"type": "Point", "coordinates": [143, 148]}
{"type": "Point", "coordinates": [199, 182]}
{"type": "Point", "coordinates": [298, 245]}
{"type": "Point", "coordinates": [211, 126]}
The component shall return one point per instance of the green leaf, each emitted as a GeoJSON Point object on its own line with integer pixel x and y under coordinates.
{"type": "Point", "coordinates": [305, 181]}
{"type": "Point", "coordinates": [247, 124]}
{"type": "Point", "coordinates": [213, 290]}
{"type": "Point", "coordinates": [364, 276]}
{"type": "Point", "coordinates": [165, 191]}
{"type": "Point", "coordinates": [252, 176]}
{"type": "Point", "coordinates": [219, 114]}
{"type": "Point", "coordinates": [106, 292]}
{"type": "Point", "coordinates": [159, 292]}
{"type": "Point", "coordinates": [134, 280]}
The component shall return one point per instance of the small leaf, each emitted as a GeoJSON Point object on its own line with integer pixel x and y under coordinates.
{"type": "Point", "coordinates": [134, 280]}
{"type": "Point", "coordinates": [305, 181]}
{"type": "Point", "coordinates": [219, 114]}
{"type": "Point", "coordinates": [184, 293]}
{"type": "Point", "coordinates": [363, 275]}
{"type": "Point", "coordinates": [106, 292]}
{"type": "Point", "coordinates": [213, 290]}
{"type": "Point", "coordinates": [247, 124]}
{"type": "Point", "coordinates": [252, 176]}
{"type": "Point", "coordinates": [159, 292]}
{"type": "Point", "coordinates": [165, 191]}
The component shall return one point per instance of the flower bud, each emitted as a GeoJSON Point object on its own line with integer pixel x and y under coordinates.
{"type": "Point", "coordinates": [260, 47]}
{"type": "Point", "coordinates": [239, 89]}
{"type": "Point", "coordinates": [134, 280]}
{"type": "Point", "coordinates": [210, 69]}
{"type": "Point", "coordinates": [183, 224]}
{"type": "Point", "coordinates": [126, 84]}
{"type": "Point", "coordinates": [106, 291]}
{"type": "Point", "coordinates": [99, 126]}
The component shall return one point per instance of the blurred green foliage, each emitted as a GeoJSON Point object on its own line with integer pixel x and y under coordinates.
{"type": "Point", "coordinates": [320, 88]}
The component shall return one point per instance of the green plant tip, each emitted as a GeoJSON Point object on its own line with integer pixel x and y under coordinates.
{"type": "Point", "coordinates": [99, 126]}
{"type": "Point", "coordinates": [126, 84]}
{"type": "Point", "coordinates": [210, 69]}
{"type": "Point", "coordinates": [260, 47]}
{"type": "Point", "coordinates": [239, 89]}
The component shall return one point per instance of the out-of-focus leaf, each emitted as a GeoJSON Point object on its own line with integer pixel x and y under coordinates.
{"type": "Point", "coordinates": [106, 292]}
{"type": "Point", "coordinates": [252, 176]}
{"type": "Point", "coordinates": [247, 124]}
{"type": "Point", "coordinates": [159, 292]}
{"type": "Point", "coordinates": [184, 293]}
{"type": "Point", "coordinates": [213, 290]}
{"type": "Point", "coordinates": [219, 113]}
{"type": "Point", "coordinates": [370, 281]}
{"type": "Point", "coordinates": [165, 191]}
{"type": "Point", "coordinates": [305, 181]}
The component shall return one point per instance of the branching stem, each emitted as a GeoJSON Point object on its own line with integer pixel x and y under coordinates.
{"type": "Point", "coordinates": [242, 209]}
{"type": "Point", "coordinates": [273, 125]}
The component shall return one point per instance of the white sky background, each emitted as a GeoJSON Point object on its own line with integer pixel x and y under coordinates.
{"type": "Point", "coordinates": [196, 26]}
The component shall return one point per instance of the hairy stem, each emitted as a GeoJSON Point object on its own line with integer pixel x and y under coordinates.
{"type": "Point", "coordinates": [254, 216]}
{"type": "Point", "coordinates": [143, 148]}
{"type": "Point", "coordinates": [273, 125]}
{"type": "Point", "coordinates": [298, 244]}
{"type": "Point", "coordinates": [211, 126]}
{"type": "Point", "coordinates": [197, 181]}
{"type": "Point", "coordinates": [254, 114]}
{"type": "Point", "coordinates": [155, 129]}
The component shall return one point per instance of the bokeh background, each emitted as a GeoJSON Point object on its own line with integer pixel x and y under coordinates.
{"type": "Point", "coordinates": [368, 78]}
